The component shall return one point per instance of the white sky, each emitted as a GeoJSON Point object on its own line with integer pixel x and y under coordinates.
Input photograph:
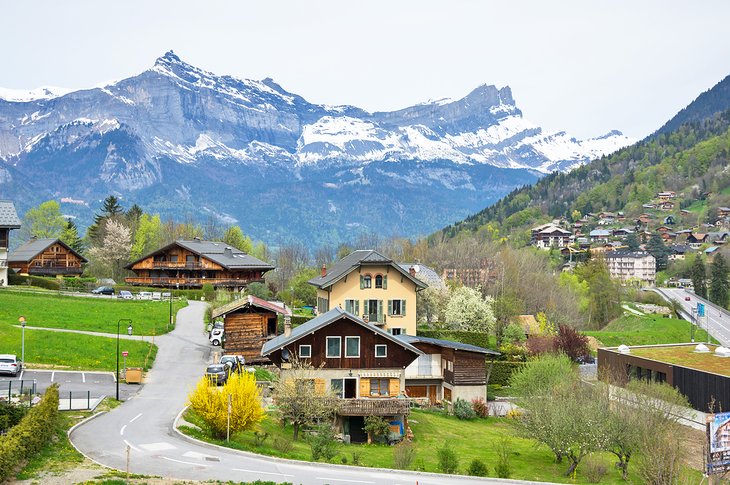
{"type": "Point", "coordinates": [582, 66]}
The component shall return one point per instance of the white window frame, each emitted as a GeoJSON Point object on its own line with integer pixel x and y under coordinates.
{"type": "Point", "coordinates": [358, 347]}
{"type": "Point", "coordinates": [339, 348]}
{"type": "Point", "coordinates": [301, 353]}
{"type": "Point", "coordinates": [385, 354]}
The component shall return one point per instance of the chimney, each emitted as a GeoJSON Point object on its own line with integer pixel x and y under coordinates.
{"type": "Point", "coordinates": [287, 326]}
{"type": "Point", "coordinates": [228, 252]}
{"type": "Point", "coordinates": [412, 271]}
{"type": "Point", "coordinates": [324, 270]}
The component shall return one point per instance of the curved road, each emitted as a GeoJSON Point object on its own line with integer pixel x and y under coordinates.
{"type": "Point", "coordinates": [145, 425]}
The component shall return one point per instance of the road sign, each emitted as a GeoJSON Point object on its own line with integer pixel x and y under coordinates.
{"type": "Point", "coordinates": [700, 309]}
{"type": "Point", "coordinates": [125, 353]}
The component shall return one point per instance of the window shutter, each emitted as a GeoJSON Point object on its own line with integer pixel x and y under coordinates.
{"type": "Point", "coordinates": [357, 307]}
{"type": "Point", "coordinates": [403, 307]}
{"type": "Point", "coordinates": [362, 282]}
{"type": "Point", "coordinates": [385, 282]}
{"type": "Point", "coordinates": [380, 311]}
{"type": "Point", "coordinates": [366, 307]}
{"type": "Point", "coordinates": [390, 307]}
{"type": "Point", "coordinates": [319, 386]}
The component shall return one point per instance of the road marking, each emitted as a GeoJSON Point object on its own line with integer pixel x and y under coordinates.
{"type": "Point", "coordinates": [200, 456]}
{"type": "Point", "coordinates": [265, 473]}
{"type": "Point", "coordinates": [21, 375]}
{"type": "Point", "coordinates": [343, 480]}
{"type": "Point", "coordinates": [184, 462]}
{"type": "Point", "coordinates": [135, 418]}
{"type": "Point", "coordinates": [83, 377]}
{"type": "Point", "coordinates": [53, 375]}
{"type": "Point", "coordinates": [121, 431]}
{"type": "Point", "coordinates": [131, 445]}
{"type": "Point", "coordinates": [158, 446]}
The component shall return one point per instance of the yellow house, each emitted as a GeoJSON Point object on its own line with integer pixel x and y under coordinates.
{"type": "Point", "coordinates": [367, 284]}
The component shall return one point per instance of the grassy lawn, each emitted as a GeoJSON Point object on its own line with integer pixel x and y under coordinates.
{"type": "Point", "coordinates": [470, 440]}
{"type": "Point", "coordinates": [686, 357]}
{"type": "Point", "coordinates": [73, 351]}
{"type": "Point", "coordinates": [646, 330]}
{"type": "Point", "coordinates": [83, 313]}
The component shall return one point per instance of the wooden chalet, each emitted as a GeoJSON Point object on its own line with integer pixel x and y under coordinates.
{"type": "Point", "coordinates": [249, 323]}
{"type": "Point", "coordinates": [191, 264]}
{"type": "Point", "coordinates": [46, 257]}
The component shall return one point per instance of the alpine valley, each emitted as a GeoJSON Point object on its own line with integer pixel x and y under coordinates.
{"type": "Point", "coordinates": [184, 142]}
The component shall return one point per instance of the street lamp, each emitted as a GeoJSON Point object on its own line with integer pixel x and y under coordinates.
{"type": "Point", "coordinates": [22, 339]}
{"type": "Point", "coordinates": [129, 332]}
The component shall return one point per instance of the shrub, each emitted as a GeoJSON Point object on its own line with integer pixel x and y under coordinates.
{"type": "Point", "coordinates": [323, 444]}
{"type": "Point", "coordinates": [343, 460]}
{"type": "Point", "coordinates": [282, 445]}
{"type": "Point", "coordinates": [376, 427]}
{"type": "Point", "coordinates": [595, 470]}
{"type": "Point", "coordinates": [514, 333]}
{"type": "Point", "coordinates": [403, 455]}
{"type": "Point", "coordinates": [463, 410]}
{"type": "Point", "coordinates": [448, 459]}
{"type": "Point", "coordinates": [540, 344]}
{"type": "Point", "coordinates": [480, 407]}
{"type": "Point", "coordinates": [502, 371]}
{"type": "Point", "coordinates": [260, 437]}
{"type": "Point", "coordinates": [571, 343]}
{"type": "Point", "coordinates": [10, 415]}
{"type": "Point", "coordinates": [208, 292]}
{"type": "Point", "coordinates": [477, 468]}
{"type": "Point", "coordinates": [503, 469]}
{"type": "Point", "coordinates": [356, 455]}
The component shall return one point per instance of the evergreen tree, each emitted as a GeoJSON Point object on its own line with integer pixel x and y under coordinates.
{"type": "Point", "coordinates": [659, 250]}
{"type": "Point", "coordinates": [698, 274]}
{"type": "Point", "coordinates": [632, 241]}
{"type": "Point", "coordinates": [719, 283]}
{"type": "Point", "coordinates": [110, 209]}
{"type": "Point", "coordinates": [71, 237]}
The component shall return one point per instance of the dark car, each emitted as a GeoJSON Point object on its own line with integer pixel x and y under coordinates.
{"type": "Point", "coordinates": [686, 298]}
{"type": "Point", "coordinates": [103, 290]}
{"type": "Point", "coordinates": [217, 373]}
{"type": "Point", "coordinates": [233, 362]}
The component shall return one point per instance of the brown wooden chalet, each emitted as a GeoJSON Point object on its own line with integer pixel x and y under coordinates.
{"type": "Point", "coordinates": [249, 323]}
{"type": "Point", "coordinates": [352, 360]}
{"type": "Point", "coordinates": [191, 264]}
{"type": "Point", "coordinates": [46, 257]}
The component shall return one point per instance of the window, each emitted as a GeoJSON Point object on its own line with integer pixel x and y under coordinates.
{"type": "Point", "coordinates": [397, 308]}
{"type": "Point", "coordinates": [305, 351]}
{"type": "Point", "coordinates": [374, 310]}
{"type": "Point", "coordinates": [396, 331]}
{"type": "Point", "coordinates": [333, 347]}
{"type": "Point", "coordinates": [379, 281]}
{"type": "Point", "coordinates": [323, 305]}
{"type": "Point", "coordinates": [366, 282]}
{"type": "Point", "coordinates": [352, 306]}
{"type": "Point", "coordinates": [381, 351]}
{"type": "Point", "coordinates": [379, 387]}
{"type": "Point", "coordinates": [337, 387]}
{"type": "Point", "coordinates": [352, 347]}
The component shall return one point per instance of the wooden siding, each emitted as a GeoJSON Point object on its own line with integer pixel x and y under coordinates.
{"type": "Point", "coordinates": [164, 261]}
{"type": "Point", "coordinates": [469, 368]}
{"type": "Point", "coordinates": [246, 333]}
{"type": "Point", "coordinates": [54, 260]}
{"type": "Point", "coordinates": [398, 356]}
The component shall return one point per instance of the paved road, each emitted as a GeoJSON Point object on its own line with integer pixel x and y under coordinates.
{"type": "Point", "coordinates": [97, 383]}
{"type": "Point", "coordinates": [144, 423]}
{"type": "Point", "coordinates": [717, 319]}
{"type": "Point", "coordinates": [123, 336]}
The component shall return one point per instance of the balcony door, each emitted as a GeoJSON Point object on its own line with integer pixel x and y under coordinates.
{"type": "Point", "coordinates": [350, 388]}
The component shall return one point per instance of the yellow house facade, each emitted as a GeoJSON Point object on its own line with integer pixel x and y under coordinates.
{"type": "Point", "coordinates": [373, 287]}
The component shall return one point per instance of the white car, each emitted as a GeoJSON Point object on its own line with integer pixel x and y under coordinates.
{"type": "Point", "coordinates": [125, 295]}
{"type": "Point", "coordinates": [216, 336]}
{"type": "Point", "coordinates": [145, 295]}
{"type": "Point", "coordinates": [9, 364]}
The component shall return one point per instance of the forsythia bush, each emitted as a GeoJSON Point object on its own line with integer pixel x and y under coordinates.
{"type": "Point", "coordinates": [211, 404]}
{"type": "Point", "coordinates": [30, 434]}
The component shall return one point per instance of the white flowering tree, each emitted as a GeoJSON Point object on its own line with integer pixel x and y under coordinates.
{"type": "Point", "coordinates": [114, 252]}
{"type": "Point", "coordinates": [469, 310]}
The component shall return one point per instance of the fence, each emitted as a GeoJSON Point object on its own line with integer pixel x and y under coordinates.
{"type": "Point", "coordinates": [11, 389]}
{"type": "Point", "coordinates": [77, 400]}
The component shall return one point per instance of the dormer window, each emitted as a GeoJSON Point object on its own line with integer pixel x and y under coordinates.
{"type": "Point", "coordinates": [366, 281]}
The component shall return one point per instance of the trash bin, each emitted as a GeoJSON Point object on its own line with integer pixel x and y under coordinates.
{"type": "Point", "coordinates": [134, 375]}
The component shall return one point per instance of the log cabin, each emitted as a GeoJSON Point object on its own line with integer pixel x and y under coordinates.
{"type": "Point", "coordinates": [46, 257]}
{"type": "Point", "coordinates": [191, 264]}
{"type": "Point", "coordinates": [249, 323]}
{"type": "Point", "coordinates": [352, 360]}
{"type": "Point", "coordinates": [8, 221]}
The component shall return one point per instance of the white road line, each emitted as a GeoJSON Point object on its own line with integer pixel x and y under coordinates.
{"type": "Point", "coordinates": [83, 377]}
{"type": "Point", "coordinates": [135, 418]}
{"type": "Point", "coordinates": [121, 431]}
{"type": "Point", "coordinates": [265, 473]}
{"type": "Point", "coordinates": [342, 480]}
{"type": "Point", "coordinates": [131, 445]}
{"type": "Point", "coordinates": [53, 375]}
{"type": "Point", "coordinates": [184, 462]}
{"type": "Point", "coordinates": [21, 375]}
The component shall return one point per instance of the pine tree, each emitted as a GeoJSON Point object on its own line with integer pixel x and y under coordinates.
{"type": "Point", "coordinates": [719, 283]}
{"type": "Point", "coordinates": [632, 241]}
{"type": "Point", "coordinates": [71, 236]}
{"type": "Point", "coordinates": [698, 274]}
{"type": "Point", "coordinates": [110, 209]}
{"type": "Point", "coordinates": [658, 249]}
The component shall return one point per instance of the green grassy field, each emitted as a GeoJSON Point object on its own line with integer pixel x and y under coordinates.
{"type": "Point", "coordinates": [470, 440]}
{"type": "Point", "coordinates": [83, 313]}
{"type": "Point", "coordinates": [646, 330]}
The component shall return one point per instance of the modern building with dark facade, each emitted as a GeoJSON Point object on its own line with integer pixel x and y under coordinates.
{"type": "Point", "coordinates": [701, 375]}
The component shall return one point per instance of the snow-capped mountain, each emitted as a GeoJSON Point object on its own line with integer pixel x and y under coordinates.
{"type": "Point", "coordinates": [177, 138]}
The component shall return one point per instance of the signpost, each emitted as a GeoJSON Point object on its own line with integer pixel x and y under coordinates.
{"type": "Point", "coordinates": [124, 365]}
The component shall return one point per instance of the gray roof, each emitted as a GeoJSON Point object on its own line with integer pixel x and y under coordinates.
{"type": "Point", "coordinates": [361, 257]}
{"type": "Point", "coordinates": [425, 274]}
{"type": "Point", "coordinates": [627, 254]}
{"type": "Point", "coordinates": [216, 251]}
{"type": "Point", "coordinates": [26, 252]}
{"type": "Point", "coordinates": [414, 339]}
{"type": "Point", "coordinates": [599, 232]}
{"type": "Point", "coordinates": [322, 321]}
{"type": "Point", "coordinates": [8, 217]}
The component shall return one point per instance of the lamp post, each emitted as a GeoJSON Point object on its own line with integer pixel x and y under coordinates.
{"type": "Point", "coordinates": [129, 332]}
{"type": "Point", "coordinates": [169, 286]}
{"type": "Point", "coordinates": [22, 339]}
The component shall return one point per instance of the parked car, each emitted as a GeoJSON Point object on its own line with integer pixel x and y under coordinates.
{"type": "Point", "coordinates": [217, 373]}
{"type": "Point", "coordinates": [234, 362]}
{"type": "Point", "coordinates": [9, 364]}
{"type": "Point", "coordinates": [213, 326]}
{"type": "Point", "coordinates": [103, 290]}
{"type": "Point", "coordinates": [145, 295]}
{"type": "Point", "coordinates": [216, 336]}
{"type": "Point", "coordinates": [125, 295]}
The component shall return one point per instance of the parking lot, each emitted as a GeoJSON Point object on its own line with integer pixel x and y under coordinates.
{"type": "Point", "coordinates": [96, 383]}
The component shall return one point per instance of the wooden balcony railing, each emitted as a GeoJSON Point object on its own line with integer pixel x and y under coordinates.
{"type": "Point", "coordinates": [168, 281]}
{"type": "Point", "coordinates": [53, 270]}
{"type": "Point", "coordinates": [177, 265]}
{"type": "Point", "coordinates": [374, 407]}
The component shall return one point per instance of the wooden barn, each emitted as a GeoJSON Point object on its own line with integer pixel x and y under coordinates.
{"type": "Point", "coordinates": [249, 323]}
{"type": "Point", "coordinates": [46, 257]}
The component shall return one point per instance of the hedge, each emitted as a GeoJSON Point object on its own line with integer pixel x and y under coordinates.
{"type": "Point", "coordinates": [28, 437]}
{"type": "Point", "coordinates": [479, 339]}
{"type": "Point", "coordinates": [39, 281]}
{"type": "Point", "coordinates": [502, 371]}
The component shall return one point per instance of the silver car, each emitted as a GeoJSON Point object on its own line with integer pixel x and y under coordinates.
{"type": "Point", "coordinates": [9, 364]}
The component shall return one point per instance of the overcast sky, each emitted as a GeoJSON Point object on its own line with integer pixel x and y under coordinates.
{"type": "Point", "coordinates": [582, 66]}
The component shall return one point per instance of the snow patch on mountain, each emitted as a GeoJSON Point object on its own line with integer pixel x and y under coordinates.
{"type": "Point", "coordinates": [27, 95]}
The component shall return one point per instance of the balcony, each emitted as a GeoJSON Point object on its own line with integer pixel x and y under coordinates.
{"type": "Point", "coordinates": [177, 265]}
{"type": "Point", "coordinates": [374, 407]}
{"type": "Point", "coordinates": [188, 282]}
{"type": "Point", "coordinates": [53, 270]}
